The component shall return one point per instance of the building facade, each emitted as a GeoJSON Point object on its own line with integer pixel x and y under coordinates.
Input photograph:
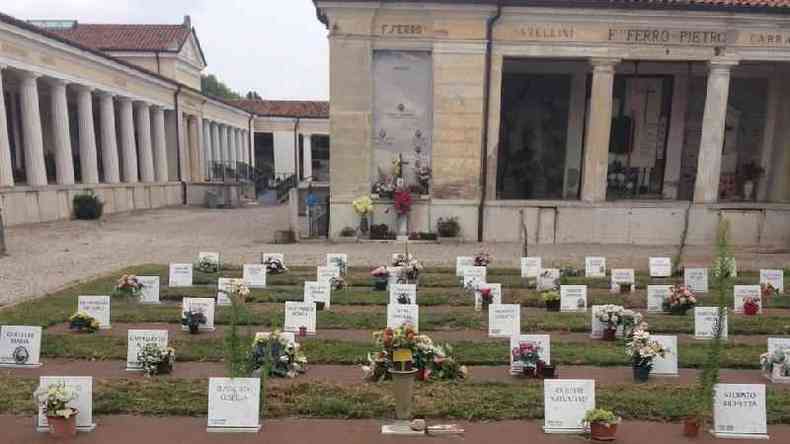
{"type": "Point", "coordinates": [570, 121]}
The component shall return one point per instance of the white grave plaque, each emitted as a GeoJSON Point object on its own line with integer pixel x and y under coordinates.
{"type": "Point", "coordinates": [403, 294]}
{"type": "Point", "coordinates": [739, 411]}
{"type": "Point", "coordinates": [573, 298]}
{"type": "Point", "coordinates": [623, 276]}
{"type": "Point", "coordinates": [706, 320]}
{"type": "Point", "coordinates": [660, 267]}
{"type": "Point", "coordinates": [299, 314]}
{"type": "Point", "coordinates": [549, 279]}
{"type": "Point", "coordinates": [668, 365]}
{"type": "Point", "coordinates": [403, 314]}
{"type": "Point", "coordinates": [741, 292]}
{"type": "Point", "coordinates": [327, 273]}
{"type": "Point", "coordinates": [461, 262]}
{"type": "Point", "coordinates": [209, 256]}
{"type": "Point", "coordinates": [150, 291]}
{"type": "Point", "coordinates": [315, 291]}
{"type": "Point", "coordinates": [394, 275]}
{"type": "Point", "coordinates": [496, 294]}
{"type": "Point", "coordinates": [566, 401]}
{"type": "Point", "coordinates": [20, 346]}
{"type": "Point", "coordinates": [82, 387]}
{"type": "Point", "coordinates": [595, 267]}
{"type": "Point", "coordinates": [338, 260]}
{"type": "Point", "coordinates": [542, 341]}
{"type": "Point", "coordinates": [474, 276]}
{"type": "Point", "coordinates": [265, 257]}
{"type": "Point", "coordinates": [656, 295]}
{"type": "Point", "coordinates": [180, 275]}
{"type": "Point", "coordinates": [774, 277]}
{"type": "Point", "coordinates": [530, 267]}
{"type": "Point", "coordinates": [597, 327]}
{"type": "Point", "coordinates": [778, 343]}
{"type": "Point", "coordinates": [96, 306]}
{"type": "Point", "coordinates": [137, 339]}
{"type": "Point", "coordinates": [223, 290]}
{"type": "Point", "coordinates": [504, 320]}
{"type": "Point", "coordinates": [696, 279]}
{"type": "Point", "coordinates": [203, 305]}
{"type": "Point", "coordinates": [254, 275]}
{"type": "Point", "coordinates": [234, 404]}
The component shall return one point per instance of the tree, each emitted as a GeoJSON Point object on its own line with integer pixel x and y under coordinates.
{"type": "Point", "coordinates": [252, 95]}
{"type": "Point", "coordinates": [211, 86]}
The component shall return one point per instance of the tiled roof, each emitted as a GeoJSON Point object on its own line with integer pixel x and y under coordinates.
{"type": "Point", "coordinates": [107, 37]}
{"type": "Point", "coordinates": [286, 108]}
{"type": "Point", "coordinates": [738, 5]}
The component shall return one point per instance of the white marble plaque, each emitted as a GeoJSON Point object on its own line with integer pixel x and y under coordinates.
{"type": "Point", "coordinates": [203, 305]}
{"type": "Point", "coordinates": [504, 320]}
{"type": "Point", "coordinates": [496, 294]}
{"type": "Point", "coordinates": [254, 275]}
{"type": "Point", "coordinates": [660, 267]}
{"type": "Point", "coordinates": [20, 346]}
{"type": "Point", "coordinates": [339, 260]}
{"type": "Point", "coordinates": [137, 339]}
{"type": "Point", "coordinates": [223, 291]}
{"type": "Point", "coordinates": [474, 275]}
{"type": "Point", "coordinates": [299, 314]}
{"type": "Point", "coordinates": [668, 365]}
{"type": "Point", "coordinates": [778, 343]}
{"type": "Point", "coordinates": [706, 320]}
{"type": "Point", "coordinates": [150, 291]}
{"type": "Point", "coordinates": [180, 275]}
{"type": "Point", "coordinates": [656, 295]}
{"type": "Point", "coordinates": [530, 267]}
{"type": "Point", "coordinates": [543, 341]}
{"type": "Point", "coordinates": [234, 404]}
{"type": "Point", "coordinates": [82, 387]}
{"type": "Point", "coordinates": [739, 411]}
{"type": "Point", "coordinates": [696, 279]}
{"type": "Point", "coordinates": [595, 267]}
{"type": "Point", "coordinates": [566, 401]}
{"type": "Point", "coordinates": [327, 273]}
{"type": "Point", "coordinates": [96, 306]}
{"type": "Point", "coordinates": [461, 262]}
{"type": "Point", "coordinates": [211, 256]}
{"type": "Point", "coordinates": [773, 277]}
{"type": "Point", "coordinates": [403, 314]}
{"type": "Point", "coordinates": [741, 292]}
{"type": "Point", "coordinates": [394, 275]}
{"type": "Point", "coordinates": [403, 294]}
{"type": "Point", "coordinates": [549, 279]}
{"type": "Point", "coordinates": [623, 276]}
{"type": "Point", "coordinates": [597, 327]}
{"type": "Point", "coordinates": [315, 291]}
{"type": "Point", "coordinates": [573, 298]}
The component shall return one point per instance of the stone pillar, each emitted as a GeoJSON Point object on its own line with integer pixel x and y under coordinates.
{"type": "Point", "coordinates": [159, 139]}
{"type": "Point", "coordinates": [109, 143]}
{"type": "Point", "coordinates": [31, 131]}
{"type": "Point", "coordinates": [769, 137]}
{"type": "Point", "coordinates": [231, 147]}
{"type": "Point", "coordinates": [145, 156]}
{"type": "Point", "coordinates": [88, 159]}
{"type": "Point", "coordinates": [677, 128]}
{"type": "Point", "coordinates": [223, 144]}
{"type": "Point", "coordinates": [237, 145]}
{"type": "Point", "coordinates": [128, 142]}
{"type": "Point", "coordinates": [575, 136]}
{"type": "Point", "coordinates": [494, 122]}
{"type": "Point", "coordinates": [307, 156]}
{"type": "Point", "coordinates": [61, 133]}
{"type": "Point", "coordinates": [6, 169]}
{"type": "Point", "coordinates": [599, 126]}
{"type": "Point", "coordinates": [706, 188]}
{"type": "Point", "coordinates": [215, 148]}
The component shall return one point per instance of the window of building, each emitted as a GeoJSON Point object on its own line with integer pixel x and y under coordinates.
{"type": "Point", "coordinates": [264, 154]}
{"type": "Point", "coordinates": [319, 155]}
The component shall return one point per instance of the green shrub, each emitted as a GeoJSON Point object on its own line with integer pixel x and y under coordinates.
{"type": "Point", "coordinates": [88, 206]}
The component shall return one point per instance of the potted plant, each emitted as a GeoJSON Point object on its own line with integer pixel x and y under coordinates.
{"type": "Point", "coordinates": [82, 322]}
{"type": "Point", "coordinates": [549, 371]}
{"type": "Point", "coordinates": [527, 354]}
{"type": "Point", "coordinates": [193, 320]}
{"type": "Point", "coordinates": [552, 300]}
{"type": "Point", "coordinates": [603, 424]}
{"type": "Point", "coordinates": [681, 299]}
{"type": "Point", "coordinates": [54, 399]}
{"type": "Point", "coordinates": [363, 206]}
{"type": "Point", "coordinates": [642, 350]}
{"type": "Point", "coordinates": [380, 277]}
{"type": "Point", "coordinates": [156, 360]}
{"type": "Point", "coordinates": [448, 227]}
{"type": "Point", "coordinates": [128, 285]}
{"type": "Point", "coordinates": [751, 305]}
{"type": "Point", "coordinates": [87, 206]}
{"type": "Point", "coordinates": [274, 351]}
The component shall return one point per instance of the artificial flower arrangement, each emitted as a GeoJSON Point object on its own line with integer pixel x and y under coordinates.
{"type": "Point", "coordinates": [431, 360]}
{"type": "Point", "coordinates": [527, 356]}
{"type": "Point", "coordinates": [83, 322]}
{"type": "Point", "coordinates": [482, 259]}
{"type": "Point", "coordinates": [193, 320]}
{"type": "Point", "coordinates": [776, 364]}
{"type": "Point", "coordinates": [402, 201]}
{"type": "Point", "coordinates": [614, 316]}
{"type": "Point", "coordinates": [274, 265]}
{"type": "Point", "coordinates": [410, 267]}
{"type": "Point", "coordinates": [128, 285]}
{"type": "Point", "coordinates": [156, 360]}
{"type": "Point", "coordinates": [383, 187]}
{"type": "Point", "coordinates": [681, 299]}
{"type": "Point", "coordinates": [751, 305]}
{"type": "Point", "coordinates": [208, 264]}
{"type": "Point", "coordinates": [363, 206]}
{"type": "Point", "coordinates": [284, 357]}
{"type": "Point", "coordinates": [642, 350]}
{"type": "Point", "coordinates": [53, 399]}
{"type": "Point", "coordinates": [238, 289]}
{"type": "Point", "coordinates": [767, 290]}
{"type": "Point", "coordinates": [424, 174]}
{"type": "Point", "coordinates": [552, 300]}
{"type": "Point", "coordinates": [486, 296]}
{"type": "Point", "coordinates": [380, 277]}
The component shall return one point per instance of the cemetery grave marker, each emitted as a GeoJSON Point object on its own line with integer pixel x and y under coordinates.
{"type": "Point", "coordinates": [180, 275]}
{"type": "Point", "coordinates": [234, 404]}
{"type": "Point", "coordinates": [774, 277]}
{"type": "Point", "coordinates": [403, 294]}
{"type": "Point", "coordinates": [597, 327]}
{"type": "Point", "coordinates": [474, 276]}
{"type": "Point", "coordinates": [542, 341]}
{"type": "Point", "coordinates": [300, 314]}
{"type": "Point", "coordinates": [82, 387]}
{"type": "Point", "coordinates": [315, 291]}
{"type": "Point", "coordinates": [137, 339]}
{"type": "Point", "coordinates": [338, 260]}
{"type": "Point", "coordinates": [696, 279]}
{"type": "Point", "coordinates": [777, 375]}
{"type": "Point", "coordinates": [402, 314]}
{"type": "Point", "coordinates": [223, 290]}
{"type": "Point", "coordinates": [660, 267]}
{"type": "Point", "coordinates": [566, 401]}
{"type": "Point", "coordinates": [623, 276]}
{"type": "Point", "coordinates": [504, 320]}
{"type": "Point", "coordinates": [741, 292]}
{"type": "Point", "coordinates": [96, 306]}
{"type": "Point", "coordinates": [254, 275]}
{"type": "Point", "coordinates": [549, 279]}
{"type": "Point", "coordinates": [211, 256]}
{"type": "Point", "coordinates": [530, 267]}
{"type": "Point", "coordinates": [656, 295]}
{"type": "Point", "coordinates": [739, 411]}
{"type": "Point", "coordinates": [150, 291]}
{"type": "Point", "coordinates": [327, 273]}
{"type": "Point", "coordinates": [461, 262]}
{"type": "Point", "coordinates": [706, 320]}
{"type": "Point", "coordinates": [668, 365]}
{"type": "Point", "coordinates": [20, 346]}
{"type": "Point", "coordinates": [203, 305]}
{"type": "Point", "coordinates": [573, 298]}
{"type": "Point", "coordinates": [496, 294]}
{"type": "Point", "coordinates": [594, 267]}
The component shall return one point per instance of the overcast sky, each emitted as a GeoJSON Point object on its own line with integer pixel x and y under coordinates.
{"type": "Point", "coordinates": [275, 47]}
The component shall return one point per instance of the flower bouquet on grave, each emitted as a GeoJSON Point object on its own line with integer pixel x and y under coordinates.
{"type": "Point", "coordinates": [274, 351]}
{"type": "Point", "coordinates": [128, 285]}
{"type": "Point", "coordinates": [380, 277]}
{"type": "Point", "coordinates": [486, 297]}
{"type": "Point", "coordinates": [482, 259]}
{"type": "Point", "coordinates": [237, 290]}
{"type": "Point", "coordinates": [681, 299]}
{"type": "Point", "coordinates": [208, 265]}
{"type": "Point", "coordinates": [767, 291]}
{"type": "Point", "coordinates": [193, 320]}
{"type": "Point", "coordinates": [751, 305]}
{"type": "Point", "coordinates": [156, 360]}
{"type": "Point", "coordinates": [631, 320]}
{"type": "Point", "coordinates": [411, 267]}
{"type": "Point", "coordinates": [611, 316]}
{"type": "Point", "coordinates": [383, 188]}
{"type": "Point", "coordinates": [53, 400]}
{"type": "Point", "coordinates": [642, 350]}
{"type": "Point", "coordinates": [552, 300]}
{"type": "Point", "coordinates": [274, 265]}
{"type": "Point", "coordinates": [363, 206]}
{"type": "Point", "coordinates": [776, 363]}
{"type": "Point", "coordinates": [527, 357]}
{"type": "Point", "coordinates": [83, 322]}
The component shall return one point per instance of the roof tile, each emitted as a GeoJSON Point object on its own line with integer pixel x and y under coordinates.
{"type": "Point", "coordinates": [123, 37]}
{"type": "Point", "coordinates": [286, 108]}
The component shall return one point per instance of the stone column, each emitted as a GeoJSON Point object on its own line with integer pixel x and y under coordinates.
{"type": "Point", "coordinates": [159, 138]}
{"type": "Point", "coordinates": [215, 148]}
{"type": "Point", "coordinates": [237, 145]}
{"type": "Point", "coordinates": [88, 159]}
{"type": "Point", "coordinates": [6, 169]}
{"type": "Point", "coordinates": [31, 131]}
{"type": "Point", "coordinates": [61, 133]}
{"type": "Point", "coordinates": [599, 126]}
{"type": "Point", "coordinates": [223, 143]}
{"type": "Point", "coordinates": [128, 142]}
{"type": "Point", "coordinates": [109, 143]}
{"type": "Point", "coordinates": [145, 156]}
{"type": "Point", "coordinates": [769, 137]}
{"type": "Point", "coordinates": [307, 156]}
{"type": "Point", "coordinates": [231, 150]}
{"type": "Point", "coordinates": [706, 188]}
{"type": "Point", "coordinates": [677, 128]}
{"type": "Point", "coordinates": [574, 136]}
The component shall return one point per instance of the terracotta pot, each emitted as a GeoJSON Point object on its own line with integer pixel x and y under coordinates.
{"type": "Point", "coordinates": [553, 305]}
{"type": "Point", "coordinates": [691, 427]}
{"type": "Point", "coordinates": [609, 334]}
{"type": "Point", "coordinates": [60, 427]}
{"type": "Point", "coordinates": [603, 432]}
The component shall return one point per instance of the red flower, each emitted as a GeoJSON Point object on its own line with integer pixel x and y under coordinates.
{"type": "Point", "coordinates": [403, 201]}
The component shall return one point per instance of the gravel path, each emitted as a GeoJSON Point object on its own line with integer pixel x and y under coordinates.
{"type": "Point", "coordinates": [45, 257]}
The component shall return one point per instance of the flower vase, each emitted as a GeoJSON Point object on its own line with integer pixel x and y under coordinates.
{"type": "Point", "coordinates": [364, 225]}
{"type": "Point", "coordinates": [320, 305]}
{"type": "Point", "coordinates": [194, 329]}
{"type": "Point", "coordinates": [529, 372]}
{"type": "Point", "coordinates": [602, 431]}
{"type": "Point", "coordinates": [60, 427]}
{"type": "Point", "coordinates": [678, 310]}
{"type": "Point", "coordinates": [403, 225]}
{"type": "Point", "coordinates": [403, 389]}
{"type": "Point", "coordinates": [641, 373]}
{"type": "Point", "coordinates": [609, 334]}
